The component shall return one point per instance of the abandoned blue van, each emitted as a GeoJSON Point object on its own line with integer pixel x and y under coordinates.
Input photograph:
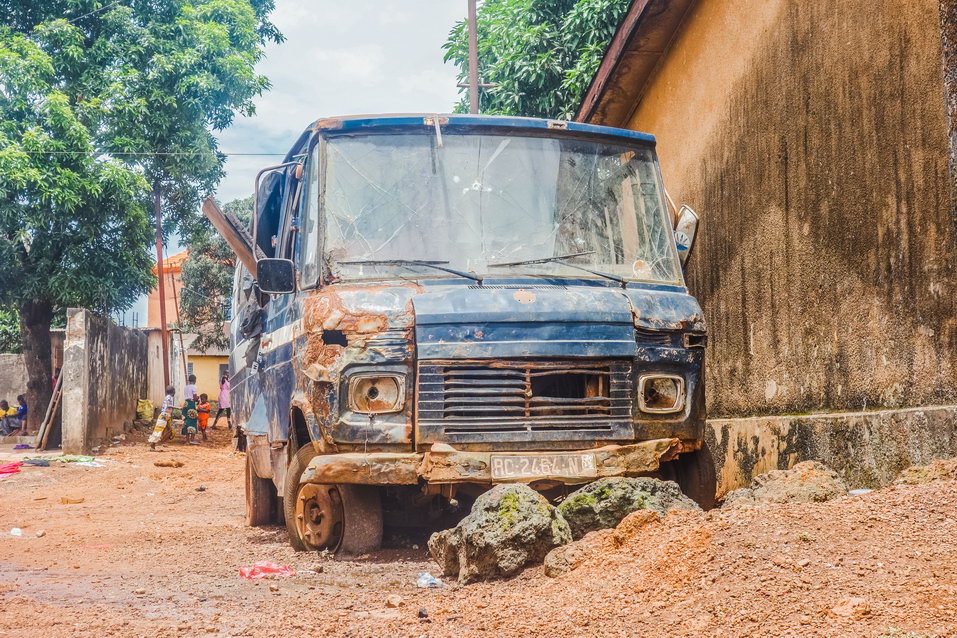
{"type": "Point", "coordinates": [434, 304]}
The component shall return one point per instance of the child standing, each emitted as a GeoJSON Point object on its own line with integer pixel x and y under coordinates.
{"type": "Point", "coordinates": [162, 430]}
{"type": "Point", "coordinates": [223, 401]}
{"type": "Point", "coordinates": [203, 410]}
{"type": "Point", "coordinates": [190, 391]}
{"type": "Point", "coordinates": [190, 420]}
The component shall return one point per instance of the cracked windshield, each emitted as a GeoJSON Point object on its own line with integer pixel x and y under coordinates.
{"type": "Point", "coordinates": [481, 203]}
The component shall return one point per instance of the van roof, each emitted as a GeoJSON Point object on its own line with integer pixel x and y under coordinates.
{"type": "Point", "coordinates": [457, 123]}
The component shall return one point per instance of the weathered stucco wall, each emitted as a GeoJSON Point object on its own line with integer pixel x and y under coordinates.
{"type": "Point", "coordinates": [812, 138]}
{"type": "Point", "coordinates": [868, 448]}
{"type": "Point", "coordinates": [105, 374]}
{"type": "Point", "coordinates": [13, 377]}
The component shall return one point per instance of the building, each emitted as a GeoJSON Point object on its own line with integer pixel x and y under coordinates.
{"type": "Point", "coordinates": [173, 286]}
{"type": "Point", "coordinates": [817, 142]}
{"type": "Point", "coordinates": [208, 366]}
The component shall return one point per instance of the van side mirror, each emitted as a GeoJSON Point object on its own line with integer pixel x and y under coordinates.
{"type": "Point", "coordinates": [686, 227]}
{"type": "Point", "coordinates": [276, 276]}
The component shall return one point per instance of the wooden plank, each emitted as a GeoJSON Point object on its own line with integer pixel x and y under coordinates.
{"type": "Point", "coordinates": [233, 232]}
{"type": "Point", "coordinates": [44, 434]}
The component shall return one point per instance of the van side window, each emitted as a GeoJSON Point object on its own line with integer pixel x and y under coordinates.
{"type": "Point", "coordinates": [309, 216]}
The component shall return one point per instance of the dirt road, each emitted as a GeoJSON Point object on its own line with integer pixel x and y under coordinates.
{"type": "Point", "coordinates": [146, 554]}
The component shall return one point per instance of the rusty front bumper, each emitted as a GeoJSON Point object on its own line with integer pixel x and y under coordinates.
{"type": "Point", "coordinates": [444, 464]}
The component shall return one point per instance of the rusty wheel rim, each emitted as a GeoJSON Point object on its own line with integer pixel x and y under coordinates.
{"type": "Point", "coordinates": [319, 516]}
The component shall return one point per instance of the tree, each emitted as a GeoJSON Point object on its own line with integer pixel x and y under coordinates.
{"type": "Point", "coordinates": [10, 332]}
{"type": "Point", "coordinates": [90, 82]}
{"type": "Point", "coordinates": [73, 226]}
{"type": "Point", "coordinates": [540, 54]}
{"type": "Point", "coordinates": [207, 277]}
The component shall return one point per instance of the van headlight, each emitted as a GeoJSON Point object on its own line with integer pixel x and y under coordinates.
{"type": "Point", "coordinates": [376, 393]}
{"type": "Point", "coordinates": [661, 393]}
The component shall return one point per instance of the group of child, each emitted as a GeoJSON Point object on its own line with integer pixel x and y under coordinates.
{"type": "Point", "coordinates": [195, 410]}
{"type": "Point", "coordinates": [13, 419]}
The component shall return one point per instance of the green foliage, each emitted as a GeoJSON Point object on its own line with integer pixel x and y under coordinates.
{"type": "Point", "coordinates": [541, 54]}
{"type": "Point", "coordinates": [10, 332]}
{"type": "Point", "coordinates": [106, 107]}
{"type": "Point", "coordinates": [73, 226]}
{"type": "Point", "coordinates": [207, 277]}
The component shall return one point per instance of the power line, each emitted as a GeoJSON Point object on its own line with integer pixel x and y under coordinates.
{"type": "Point", "coordinates": [132, 153]}
{"type": "Point", "coordinates": [103, 8]}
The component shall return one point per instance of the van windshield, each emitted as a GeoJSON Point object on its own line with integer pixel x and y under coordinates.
{"type": "Point", "coordinates": [483, 200]}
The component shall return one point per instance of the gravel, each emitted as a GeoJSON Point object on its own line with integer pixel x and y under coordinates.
{"type": "Point", "coordinates": [883, 563]}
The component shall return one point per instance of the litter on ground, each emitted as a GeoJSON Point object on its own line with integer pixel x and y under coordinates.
{"type": "Point", "coordinates": [9, 469]}
{"type": "Point", "coordinates": [265, 569]}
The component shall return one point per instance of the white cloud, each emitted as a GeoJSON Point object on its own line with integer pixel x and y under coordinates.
{"type": "Point", "coordinates": [342, 58]}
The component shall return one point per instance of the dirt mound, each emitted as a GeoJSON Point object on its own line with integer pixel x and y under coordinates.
{"type": "Point", "coordinates": [807, 482]}
{"type": "Point", "coordinates": [564, 559]}
{"type": "Point", "coordinates": [936, 471]}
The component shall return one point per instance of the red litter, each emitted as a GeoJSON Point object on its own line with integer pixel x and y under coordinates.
{"type": "Point", "coordinates": [9, 469]}
{"type": "Point", "coordinates": [265, 569]}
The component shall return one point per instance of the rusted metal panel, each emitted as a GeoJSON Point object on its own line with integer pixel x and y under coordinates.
{"type": "Point", "coordinates": [364, 469]}
{"type": "Point", "coordinates": [361, 327]}
{"type": "Point", "coordinates": [444, 464]}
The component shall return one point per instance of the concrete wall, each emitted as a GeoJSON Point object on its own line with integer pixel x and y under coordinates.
{"type": "Point", "coordinates": [154, 355]}
{"type": "Point", "coordinates": [868, 448]}
{"type": "Point", "coordinates": [13, 377]}
{"type": "Point", "coordinates": [104, 375]}
{"type": "Point", "coordinates": [812, 138]}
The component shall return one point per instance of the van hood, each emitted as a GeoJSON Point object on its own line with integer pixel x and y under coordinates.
{"type": "Point", "coordinates": [490, 321]}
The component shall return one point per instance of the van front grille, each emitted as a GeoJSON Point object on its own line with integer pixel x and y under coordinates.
{"type": "Point", "coordinates": [514, 396]}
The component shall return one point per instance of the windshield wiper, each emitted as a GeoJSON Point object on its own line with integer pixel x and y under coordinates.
{"type": "Point", "coordinates": [413, 262]}
{"type": "Point", "coordinates": [561, 259]}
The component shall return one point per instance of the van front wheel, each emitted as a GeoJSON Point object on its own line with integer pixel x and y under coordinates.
{"type": "Point", "coordinates": [345, 519]}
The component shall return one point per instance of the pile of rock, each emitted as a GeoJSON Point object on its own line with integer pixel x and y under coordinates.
{"type": "Point", "coordinates": [940, 470]}
{"type": "Point", "coordinates": [807, 482]}
{"type": "Point", "coordinates": [511, 526]}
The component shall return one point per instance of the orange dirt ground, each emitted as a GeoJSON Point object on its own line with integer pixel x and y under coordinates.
{"type": "Point", "coordinates": [145, 554]}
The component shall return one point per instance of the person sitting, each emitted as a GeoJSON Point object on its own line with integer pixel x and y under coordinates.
{"type": "Point", "coordinates": [21, 414]}
{"type": "Point", "coordinates": [8, 420]}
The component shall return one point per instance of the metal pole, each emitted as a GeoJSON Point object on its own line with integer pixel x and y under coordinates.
{"type": "Point", "coordinates": [473, 60]}
{"type": "Point", "coordinates": [179, 323]}
{"type": "Point", "coordinates": [158, 213]}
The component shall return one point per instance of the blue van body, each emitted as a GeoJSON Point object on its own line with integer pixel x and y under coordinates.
{"type": "Point", "coordinates": [425, 375]}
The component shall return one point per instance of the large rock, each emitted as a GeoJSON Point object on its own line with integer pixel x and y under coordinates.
{"type": "Point", "coordinates": [806, 482]}
{"type": "Point", "coordinates": [509, 527]}
{"type": "Point", "coordinates": [607, 501]}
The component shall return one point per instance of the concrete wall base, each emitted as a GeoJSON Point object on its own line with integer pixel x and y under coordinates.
{"type": "Point", "coordinates": [868, 448]}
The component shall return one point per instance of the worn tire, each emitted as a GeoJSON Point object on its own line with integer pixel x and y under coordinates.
{"type": "Point", "coordinates": [362, 505]}
{"type": "Point", "coordinates": [261, 498]}
{"type": "Point", "coordinates": [361, 511]}
{"type": "Point", "coordinates": [695, 474]}
{"type": "Point", "coordinates": [290, 487]}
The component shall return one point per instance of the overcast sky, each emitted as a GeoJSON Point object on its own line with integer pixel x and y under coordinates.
{"type": "Point", "coordinates": [342, 57]}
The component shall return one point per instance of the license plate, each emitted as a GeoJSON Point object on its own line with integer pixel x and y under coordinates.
{"type": "Point", "coordinates": [543, 466]}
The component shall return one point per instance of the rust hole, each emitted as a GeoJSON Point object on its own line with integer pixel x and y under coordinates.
{"type": "Point", "coordinates": [334, 338]}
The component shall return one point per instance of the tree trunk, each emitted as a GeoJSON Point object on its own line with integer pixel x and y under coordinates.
{"type": "Point", "coordinates": [35, 318]}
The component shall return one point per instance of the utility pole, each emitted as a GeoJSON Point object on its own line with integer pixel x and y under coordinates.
{"type": "Point", "coordinates": [473, 60]}
{"type": "Point", "coordinates": [158, 213]}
